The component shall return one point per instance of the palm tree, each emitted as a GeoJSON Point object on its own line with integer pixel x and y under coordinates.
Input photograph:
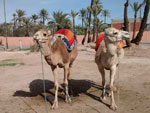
{"type": "Point", "coordinates": [26, 25]}
{"type": "Point", "coordinates": [82, 15]}
{"type": "Point", "coordinates": [14, 22]}
{"type": "Point", "coordinates": [136, 7]}
{"type": "Point", "coordinates": [105, 13]}
{"type": "Point", "coordinates": [73, 14]}
{"type": "Point", "coordinates": [95, 11]}
{"type": "Point", "coordinates": [20, 15]}
{"type": "Point", "coordinates": [85, 29]}
{"type": "Point", "coordinates": [34, 17]}
{"type": "Point", "coordinates": [43, 15]}
{"type": "Point", "coordinates": [126, 21]}
{"type": "Point", "coordinates": [143, 23]}
{"type": "Point", "coordinates": [52, 26]}
{"type": "Point", "coordinates": [89, 29]}
{"type": "Point", "coordinates": [60, 19]}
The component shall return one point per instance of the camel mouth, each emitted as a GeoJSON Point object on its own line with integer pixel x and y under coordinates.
{"type": "Point", "coordinates": [125, 35]}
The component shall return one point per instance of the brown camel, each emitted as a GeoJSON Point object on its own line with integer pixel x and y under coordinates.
{"type": "Point", "coordinates": [108, 56]}
{"type": "Point", "coordinates": [56, 55]}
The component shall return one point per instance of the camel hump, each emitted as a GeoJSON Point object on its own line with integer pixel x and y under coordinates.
{"type": "Point", "coordinates": [99, 40]}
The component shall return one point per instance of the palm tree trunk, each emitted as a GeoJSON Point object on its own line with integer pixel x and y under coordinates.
{"type": "Point", "coordinates": [89, 30]}
{"type": "Point", "coordinates": [143, 24]}
{"type": "Point", "coordinates": [74, 32]}
{"type": "Point", "coordinates": [43, 21]}
{"type": "Point", "coordinates": [126, 22]}
{"type": "Point", "coordinates": [94, 30]}
{"type": "Point", "coordinates": [85, 34]}
{"type": "Point", "coordinates": [134, 27]}
{"type": "Point", "coordinates": [105, 19]}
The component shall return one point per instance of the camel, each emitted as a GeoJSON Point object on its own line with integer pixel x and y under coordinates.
{"type": "Point", "coordinates": [56, 55]}
{"type": "Point", "coordinates": [108, 57]}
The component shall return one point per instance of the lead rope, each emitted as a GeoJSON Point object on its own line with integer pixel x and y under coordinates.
{"type": "Point", "coordinates": [118, 92]}
{"type": "Point", "coordinates": [44, 88]}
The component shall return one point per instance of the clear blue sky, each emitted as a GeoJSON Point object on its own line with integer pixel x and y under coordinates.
{"type": "Point", "coordinates": [115, 7]}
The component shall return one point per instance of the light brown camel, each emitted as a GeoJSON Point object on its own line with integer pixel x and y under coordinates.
{"type": "Point", "coordinates": [56, 55]}
{"type": "Point", "coordinates": [108, 56]}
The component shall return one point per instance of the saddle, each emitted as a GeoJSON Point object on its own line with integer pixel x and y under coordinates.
{"type": "Point", "coordinates": [67, 37]}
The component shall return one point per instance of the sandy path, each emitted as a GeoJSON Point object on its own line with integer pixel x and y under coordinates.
{"type": "Point", "coordinates": [21, 85]}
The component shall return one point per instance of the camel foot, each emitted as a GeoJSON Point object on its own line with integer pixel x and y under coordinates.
{"type": "Point", "coordinates": [102, 98]}
{"type": "Point", "coordinates": [55, 105]}
{"type": "Point", "coordinates": [113, 107]}
{"type": "Point", "coordinates": [68, 99]}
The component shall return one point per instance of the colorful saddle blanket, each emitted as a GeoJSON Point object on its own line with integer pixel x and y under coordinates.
{"type": "Point", "coordinates": [99, 40]}
{"type": "Point", "coordinates": [101, 37]}
{"type": "Point", "coordinates": [67, 37]}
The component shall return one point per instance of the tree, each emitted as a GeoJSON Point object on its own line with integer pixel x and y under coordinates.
{"type": "Point", "coordinates": [34, 17]}
{"type": "Point", "coordinates": [136, 7]}
{"type": "Point", "coordinates": [95, 11]}
{"type": "Point", "coordinates": [143, 23]}
{"type": "Point", "coordinates": [61, 20]}
{"type": "Point", "coordinates": [20, 15]}
{"type": "Point", "coordinates": [105, 13]}
{"type": "Point", "coordinates": [43, 15]}
{"type": "Point", "coordinates": [89, 28]}
{"type": "Point", "coordinates": [126, 21]}
{"type": "Point", "coordinates": [14, 22]}
{"type": "Point", "coordinates": [26, 25]}
{"type": "Point", "coordinates": [85, 29]}
{"type": "Point", "coordinates": [73, 14]}
{"type": "Point", "coordinates": [52, 27]}
{"type": "Point", "coordinates": [82, 15]}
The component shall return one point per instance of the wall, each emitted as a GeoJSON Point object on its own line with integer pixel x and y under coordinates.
{"type": "Point", "coordinates": [25, 42]}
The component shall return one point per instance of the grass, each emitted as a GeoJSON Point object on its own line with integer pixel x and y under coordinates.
{"type": "Point", "coordinates": [10, 62]}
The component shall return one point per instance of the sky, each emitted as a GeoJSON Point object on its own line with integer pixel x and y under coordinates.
{"type": "Point", "coordinates": [115, 7]}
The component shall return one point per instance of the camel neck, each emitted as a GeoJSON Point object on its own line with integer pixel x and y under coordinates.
{"type": "Point", "coordinates": [111, 48]}
{"type": "Point", "coordinates": [46, 48]}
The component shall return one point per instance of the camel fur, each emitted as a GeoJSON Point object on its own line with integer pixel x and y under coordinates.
{"type": "Point", "coordinates": [56, 55]}
{"type": "Point", "coordinates": [108, 56]}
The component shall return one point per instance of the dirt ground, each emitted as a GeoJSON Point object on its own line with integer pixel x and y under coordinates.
{"type": "Point", "coordinates": [21, 89]}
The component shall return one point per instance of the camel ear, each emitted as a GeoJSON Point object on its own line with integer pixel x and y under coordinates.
{"type": "Point", "coordinates": [49, 32]}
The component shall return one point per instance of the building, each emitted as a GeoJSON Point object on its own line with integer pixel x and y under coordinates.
{"type": "Point", "coordinates": [118, 23]}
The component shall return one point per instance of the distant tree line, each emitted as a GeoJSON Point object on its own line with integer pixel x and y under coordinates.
{"type": "Point", "coordinates": [21, 25]}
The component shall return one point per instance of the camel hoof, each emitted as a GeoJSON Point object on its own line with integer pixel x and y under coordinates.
{"type": "Point", "coordinates": [68, 100]}
{"type": "Point", "coordinates": [113, 107]}
{"type": "Point", "coordinates": [102, 98]}
{"type": "Point", "coordinates": [55, 105]}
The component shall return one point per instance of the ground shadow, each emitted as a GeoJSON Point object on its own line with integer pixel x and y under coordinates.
{"type": "Point", "coordinates": [36, 88]}
{"type": "Point", "coordinates": [77, 87]}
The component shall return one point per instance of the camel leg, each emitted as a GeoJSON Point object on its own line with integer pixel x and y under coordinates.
{"type": "Point", "coordinates": [66, 72]}
{"type": "Point", "coordinates": [54, 70]}
{"type": "Point", "coordinates": [102, 71]}
{"type": "Point", "coordinates": [113, 105]}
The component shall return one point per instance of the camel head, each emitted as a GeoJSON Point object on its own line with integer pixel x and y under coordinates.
{"type": "Point", "coordinates": [41, 36]}
{"type": "Point", "coordinates": [115, 35]}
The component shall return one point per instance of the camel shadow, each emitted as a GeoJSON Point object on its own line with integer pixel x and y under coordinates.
{"type": "Point", "coordinates": [77, 87]}
{"type": "Point", "coordinates": [36, 88]}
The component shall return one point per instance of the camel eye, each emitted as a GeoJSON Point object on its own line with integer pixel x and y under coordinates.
{"type": "Point", "coordinates": [44, 34]}
{"type": "Point", "coordinates": [115, 33]}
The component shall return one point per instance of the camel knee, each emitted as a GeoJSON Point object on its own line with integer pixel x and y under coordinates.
{"type": "Point", "coordinates": [56, 86]}
{"type": "Point", "coordinates": [111, 87]}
